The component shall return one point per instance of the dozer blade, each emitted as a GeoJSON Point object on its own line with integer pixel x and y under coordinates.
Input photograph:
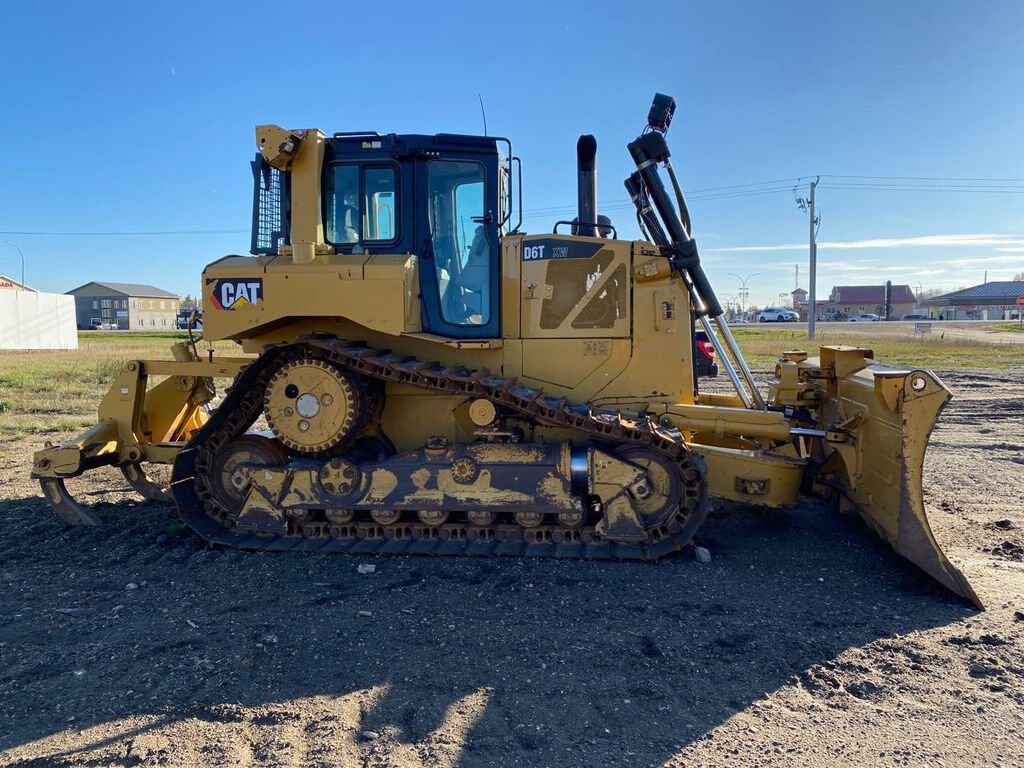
{"type": "Point", "coordinates": [883, 417]}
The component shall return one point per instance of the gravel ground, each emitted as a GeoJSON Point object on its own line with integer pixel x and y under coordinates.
{"type": "Point", "coordinates": [804, 641]}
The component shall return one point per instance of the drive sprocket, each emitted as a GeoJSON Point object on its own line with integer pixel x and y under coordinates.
{"type": "Point", "coordinates": [313, 406]}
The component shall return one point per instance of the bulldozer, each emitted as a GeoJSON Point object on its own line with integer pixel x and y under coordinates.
{"type": "Point", "coordinates": [416, 375]}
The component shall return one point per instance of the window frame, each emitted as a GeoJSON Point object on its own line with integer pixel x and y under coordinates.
{"type": "Point", "coordinates": [492, 248]}
{"type": "Point", "coordinates": [363, 166]}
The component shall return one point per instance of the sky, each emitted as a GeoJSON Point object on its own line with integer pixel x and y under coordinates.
{"type": "Point", "coordinates": [138, 118]}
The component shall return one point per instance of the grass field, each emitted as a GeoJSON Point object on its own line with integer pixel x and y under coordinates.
{"type": "Point", "coordinates": [54, 392]}
{"type": "Point", "coordinates": [1008, 328]}
{"type": "Point", "coordinates": [761, 347]}
{"type": "Point", "coordinates": [58, 391]}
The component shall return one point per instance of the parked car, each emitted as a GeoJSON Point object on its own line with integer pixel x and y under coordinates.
{"type": "Point", "coordinates": [865, 318]}
{"type": "Point", "coordinates": [777, 315]}
{"type": "Point", "coordinates": [102, 325]}
{"type": "Point", "coordinates": [185, 317]}
{"type": "Point", "coordinates": [704, 355]}
{"type": "Point", "coordinates": [915, 317]}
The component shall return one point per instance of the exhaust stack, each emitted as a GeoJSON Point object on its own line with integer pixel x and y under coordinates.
{"type": "Point", "coordinates": [586, 186]}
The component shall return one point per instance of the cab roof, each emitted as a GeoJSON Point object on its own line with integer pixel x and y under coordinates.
{"type": "Point", "coordinates": [412, 144]}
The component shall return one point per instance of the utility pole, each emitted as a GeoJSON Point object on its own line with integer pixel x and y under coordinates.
{"type": "Point", "coordinates": [812, 309]}
{"type": "Point", "coordinates": [8, 242]}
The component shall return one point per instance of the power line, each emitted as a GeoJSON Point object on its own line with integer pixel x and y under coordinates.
{"type": "Point", "coordinates": [694, 194]}
{"type": "Point", "coordinates": [916, 178]}
{"type": "Point", "coordinates": [916, 185]}
{"type": "Point", "coordinates": [948, 190]}
{"type": "Point", "coordinates": [130, 234]}
{"type": "Point", "coordinates": [844, 182]}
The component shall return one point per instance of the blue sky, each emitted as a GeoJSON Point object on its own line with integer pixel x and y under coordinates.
{"type": "Point", "coordinates": [140, 117]}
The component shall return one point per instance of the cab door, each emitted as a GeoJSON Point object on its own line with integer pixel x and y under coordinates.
{"type": "Point", "coordinates": [459, 273]}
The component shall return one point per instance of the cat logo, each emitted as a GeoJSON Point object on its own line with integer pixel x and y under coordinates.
{"type": "Point", "coordinates": [236, 293]}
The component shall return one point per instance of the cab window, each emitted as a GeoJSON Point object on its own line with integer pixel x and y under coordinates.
{"type": "Point", "coordinates": [361, 203]}
{"type": "Point", "coordinates": [461, 249]}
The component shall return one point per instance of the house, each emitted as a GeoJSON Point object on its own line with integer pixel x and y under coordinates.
{"type": "Point", "coordinates": [10, 284]}
{"type": "Point", "coordinates": [989, 301]}
{"type": "Point", "coordinates": [848, 300]}
{"type": "Point", "coordinates": [126, 306]}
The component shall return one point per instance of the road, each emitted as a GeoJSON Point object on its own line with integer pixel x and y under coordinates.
{"type": "Point", "coordinates": [980, 330]}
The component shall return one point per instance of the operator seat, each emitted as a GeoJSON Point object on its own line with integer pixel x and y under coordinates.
{"type": "Point", "coordinates": [475, 280]}
{"type": "Point", "coordinates": [349, 224]}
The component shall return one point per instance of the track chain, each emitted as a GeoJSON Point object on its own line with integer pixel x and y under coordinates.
{"type": "Point", "coordinates": [243, 403]}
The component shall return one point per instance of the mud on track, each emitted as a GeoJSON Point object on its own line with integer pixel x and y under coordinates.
{"type": "Point", "coordinates": [804, 641]}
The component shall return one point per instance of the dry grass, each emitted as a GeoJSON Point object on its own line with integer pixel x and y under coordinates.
{"type": "Point", "coordinates": [761, 347]}
{"type": "Point", "coordinates": [58, 392]}
{"type": "Point", "coordinates": [1008, 327]}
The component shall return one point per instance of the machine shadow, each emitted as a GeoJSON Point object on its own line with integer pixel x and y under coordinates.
{"type": "Point", "coordinates": [556, 662]}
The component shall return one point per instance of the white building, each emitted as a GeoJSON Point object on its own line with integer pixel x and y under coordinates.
{"type": "Point", "coordinates": [33, 320]}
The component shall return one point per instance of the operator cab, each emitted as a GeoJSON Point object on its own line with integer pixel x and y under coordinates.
{"type": "Point", "coordinates": [433, 196]}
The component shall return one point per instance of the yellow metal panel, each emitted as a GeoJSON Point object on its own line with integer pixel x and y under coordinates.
{"type": "Point", "coordinates": [388, 266]}
{"type": "Point", "coordinates": [580, 368]}
{"type": "Point", "coordinates": [458, 343]}
{"type": "Point", "coordinates": [346, 266]}
{"type": "Point", "coordinates": [719, 420]}
{"type": "Point", "coordinates": [752, 476]}
{"type": "Point", "coordinates": [554, 293]}
{"type": "Point", "coordinates": [511, 275]}
{"type": "Point", "coordinates": [307, 226]}
{"type": "Point", "coordinates": [335, 288]}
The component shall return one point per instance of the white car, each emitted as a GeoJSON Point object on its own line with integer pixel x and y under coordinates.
{"type": "Point", "coordinates": [866, 318]}
{"type": "Point", "coordinates": [776, 315]}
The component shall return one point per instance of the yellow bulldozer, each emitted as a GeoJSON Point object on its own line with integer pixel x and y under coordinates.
{"type": "Point", "coordinates": [417, 375]}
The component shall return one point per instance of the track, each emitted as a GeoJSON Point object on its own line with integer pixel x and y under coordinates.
{"type": "Point", "coordinates": [243, 404]}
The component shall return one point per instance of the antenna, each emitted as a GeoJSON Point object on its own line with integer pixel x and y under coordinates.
{"type": "Point", "coordinates": [482, 112]}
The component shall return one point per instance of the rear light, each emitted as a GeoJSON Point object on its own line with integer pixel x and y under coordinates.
{"type": "Point", "coordinates": [706, 348]}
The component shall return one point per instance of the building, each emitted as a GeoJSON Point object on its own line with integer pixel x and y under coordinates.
{"type": "Point", "coordinates": [126, 306]}
{"type": "Point", "coordinates": [30, 319]}
{"type": "Point", "coordinates": [988, 301]}
{"type": "Point", "coordinates": [848, 300]}
{"type": "Point", "coordinates": [10, 284]}
{"type": "Point", "coordinates": [799, 302]}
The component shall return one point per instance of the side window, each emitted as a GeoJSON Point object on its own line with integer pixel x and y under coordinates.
{"type": "Point", "coordinates": [361, 204]}
{"type": "Point", "coordinates": [462, 253]}
{"type": "Point", "coordinates": [608, 306]}
{"type": "Point", "coordinates": [343, 204]}
{"type": "Point", "coordinates": [379, 204]}
{"type": "Point", "coordinates": [570, 281]}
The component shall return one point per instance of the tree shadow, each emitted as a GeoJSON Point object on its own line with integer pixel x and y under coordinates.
{"type": "Point", "coordinates": [221, 657]}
